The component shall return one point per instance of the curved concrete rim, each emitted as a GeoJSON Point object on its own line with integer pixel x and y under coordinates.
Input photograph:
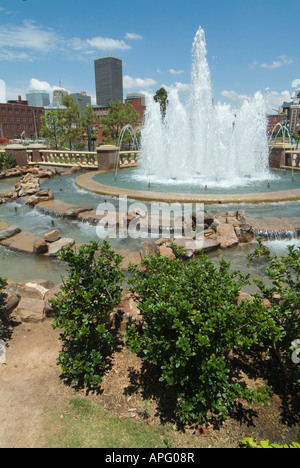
{"type": "Point", "coordinates": [86, 181]}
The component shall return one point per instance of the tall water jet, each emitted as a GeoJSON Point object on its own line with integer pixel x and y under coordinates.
{"type": "Point", "coordinates": [202, 143]}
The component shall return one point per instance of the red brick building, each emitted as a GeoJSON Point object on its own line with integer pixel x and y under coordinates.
{"type": "Point", "coordinates": [19, 120]}
{"type": "Point", "coordinates": [137, 100]}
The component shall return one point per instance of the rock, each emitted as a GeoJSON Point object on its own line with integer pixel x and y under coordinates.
{"type": "Point", "coordinates": [246, 233]}
{"type": "Point", "coordinates": [74, 212]}
{"type": "Point", "coordinates": [31, 310]}
{"type": "Point", "coordinates": [164, 241]}
{"type": "Point", "coordinates": [232, 220]}
{"type": "Point", "coordinates": [10, 300]}
{"type": "Point", "coordinates": [9, 232]}
{"type": "Point", "coordinates": [241, 216]}
{"type": "Point", "coordinates": [129, 257]}
{"type": "Point", "coordinates": [3, 225]}
{"type": "Point", "coordinates": [52, 236]}
{"type": "Point", "coordinates": [148, 248]}
{"type": "Point", "coordinates": [55, 247]}
{"type": "Point", "coordinates": [244, 297]}
{"type": "Point", "coordinates": [32, 299]}
{"type": "Point", "coordinates": [22, 242]}
{"type": "Point", "coordinates": [40, 246]}
{"type": "Point", "coordinates": [210, 245]}
{"type": "Point", "coordinates": [166, 252]}
{"type": "Point", "coordinates": [48, 311]}
{"type": "Point", "coordinates": [226, 236]}
{"type": "Point", "coordinates": [33, 200]}
{"type": "Point", "coordinates": [34, 289]}
{"type": "Point", "coordinates": [208, 219]}
{"type": "Point", "coordinates": [8, 194]}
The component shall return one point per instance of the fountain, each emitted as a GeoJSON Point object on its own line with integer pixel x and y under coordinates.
{"type": "Point", "coordinates": [202, 143]}
{"type": "Point", "coordinates": [200, 152]}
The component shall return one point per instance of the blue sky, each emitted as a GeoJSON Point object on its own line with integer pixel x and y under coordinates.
{"type": "Point", "coordinates": [252, 45]}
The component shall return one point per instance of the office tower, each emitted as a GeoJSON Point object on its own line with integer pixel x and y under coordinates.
{"type": "Point", "coordinates": [58, 94]}
{"type": "Point", "coordinates": [82, 100]}
{"type": "Point", "coordinates": [38, 98]}
{"type": "Point", "coordinates": [109, 80]}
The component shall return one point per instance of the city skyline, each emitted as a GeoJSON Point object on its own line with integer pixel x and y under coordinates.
{"type": "Point", "coordinates": [252, 46]}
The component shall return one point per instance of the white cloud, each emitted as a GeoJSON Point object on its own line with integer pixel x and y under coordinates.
{"type": "Point", "coordinates": [175, 72]}
{"type": "Point", "coordinates": [23, 43]}
{"type": "Point", "coordinates": [27, 41]}
{"type": "Point", "coordinates": [27, 36]}
{"type": "Point", "coordinates": [106, 43]}
{"type": "Point", "coordinates": [131, 83]}
{"type": "Point", "coordinates": [235, 97]}
{"type": "Point", "coordinates": [38, 85]}
{"type": "Point", "coordinates": [273, 99]}
{"type": "Point", "coordinates": [182, 86]}
{"type": "Point", "coordinates": [133, 36]}
{"type": "Point", "coordinates": [280, 62]}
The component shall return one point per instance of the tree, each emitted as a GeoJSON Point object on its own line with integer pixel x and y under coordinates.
{"type": "Point", "coordinates": [51, 129]}
{"type": "Point", "coordinates": [70, 121]}
{"type": "Point", "coordinates": [161, 96]}
{"type": "Point", "coordinates": [82, 311]}
{"type": "Point", "coordinates": [192, 324]}
{"type": "Point", "coordinates": [119, 115]}
{"type": "Point", "coordinates": [88, 121]}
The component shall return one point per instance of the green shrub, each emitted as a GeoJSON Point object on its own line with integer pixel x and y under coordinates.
{"type": "Point", "coordinates": [192, 323]}
{"type": "Point", "coordinates": [6, 161]}
{"type": "Point", "coordinates": [82, 310]}
{"type": "Point", "coordinates": [248, 442]}
{"type": "Point", "coordinates": [281, 287]}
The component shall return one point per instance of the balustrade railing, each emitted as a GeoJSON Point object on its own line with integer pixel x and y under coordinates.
{"type": "Point", "coordinates": [129, 158]}
{"type": "Point", "coordinates": [66, 158]}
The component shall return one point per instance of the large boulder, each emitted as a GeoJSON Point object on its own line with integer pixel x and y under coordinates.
{"type": "Point", "coordinates": [226, 236]}
{"type": "Point", "coordinates": [8, 232]}
{"type": "Point", "coordinates": [10, 301]}
{"type": "Point", "coordinates": [52, 236]}
{"type": "Point", "coordinates": [55, 247]}
{"type": "Point", "coordinates": [148, 249]}
{"type": "Point", "coordinates": [23, 242]}
{"type": "Point", "coordinates": [31, 307]}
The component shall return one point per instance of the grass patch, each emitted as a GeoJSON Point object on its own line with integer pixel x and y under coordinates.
{"type": "Point", "coordinates": [83, 425]}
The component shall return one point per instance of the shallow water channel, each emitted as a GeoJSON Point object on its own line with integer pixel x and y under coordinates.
{"type": "Point", "coordinates": [18, 266]}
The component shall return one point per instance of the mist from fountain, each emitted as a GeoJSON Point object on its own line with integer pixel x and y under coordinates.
{"type": "Point", "coordinates": [201, 143]}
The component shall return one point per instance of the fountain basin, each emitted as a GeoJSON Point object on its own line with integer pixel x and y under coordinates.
{"type": "Point", "coordinates": [90, 182]}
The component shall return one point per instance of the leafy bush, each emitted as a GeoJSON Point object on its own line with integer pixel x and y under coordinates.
{"type": "Point", "coordinates": [82, 310]}
{"type": "Point", "coordinates": [248, 442]}
{"type": "Point", "coordinates": [6, 161]}
{"type": "Point", "coordinates": [192, 323]}
{"type": "Point", "coordinates": [282, 290]}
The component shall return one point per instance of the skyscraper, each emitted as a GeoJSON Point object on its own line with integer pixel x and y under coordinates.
{"type": "Point", "coordinates": [82, 100]}
{"type": "Point", "coordinates": [109, 80]}
{"type": "Point", "coordinates": [38, 98]}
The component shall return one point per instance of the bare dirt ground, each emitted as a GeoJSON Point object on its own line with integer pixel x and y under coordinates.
{"type": "Point", "coordinates": [30, 384]}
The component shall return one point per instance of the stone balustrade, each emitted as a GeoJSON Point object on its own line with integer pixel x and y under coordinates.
{"type": "Point", "coordinates": [103, 158]}
{"type": "Point", "coordinates": [129, 158]}
{"type": "Point", "coordinates": [65, 158]}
